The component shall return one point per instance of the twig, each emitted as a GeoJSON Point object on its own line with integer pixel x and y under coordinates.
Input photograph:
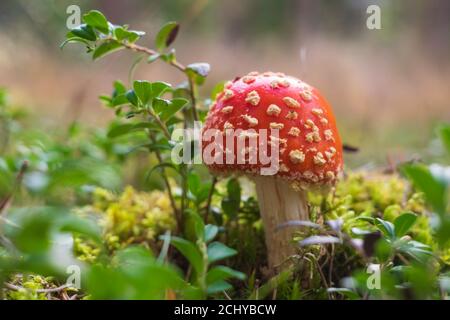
{"type": "Point", "coordinates": [4, 204]}
{"type": "Point", "coordinates": [193, 99]}
{"type": "Point", "coordinates": [210, 195]}
{"type": "Point", "coordinates": [160, 123]}
{"type": "Point", "coordinates": [14, 287]}
{"type": "Point", "coordinates": [150, 52]}
{"type": "Point", "coordinates": [167, 183]}
{"type": "Point", "coordinates": [226, 295]}
{"type": "Point", "coordinates": [330, 267]}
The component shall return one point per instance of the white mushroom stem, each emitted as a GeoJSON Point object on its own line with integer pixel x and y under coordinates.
{"type": "Point", "coordinates": [279, 203]}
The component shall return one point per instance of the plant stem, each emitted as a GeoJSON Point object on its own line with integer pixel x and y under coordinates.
{"type": "Point", "coordinates": [169, 188]}
{"type": "Point", "coordinates": [4, 203]}
{"type": "Point", "coordinates": [208, 202]}
{"type": "Point", "coordinates": [150, 52]}
{"type": "Point", "coordinates": [160, 123]}
{"type": "Point", "coordinates": [193, 99]}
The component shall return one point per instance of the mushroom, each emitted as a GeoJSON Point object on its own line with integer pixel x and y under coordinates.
{"type": "Point", "coordinates": [309, 153]}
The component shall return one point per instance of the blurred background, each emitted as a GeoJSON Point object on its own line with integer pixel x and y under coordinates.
{"type": "Point", "coordinates": [388, 87]}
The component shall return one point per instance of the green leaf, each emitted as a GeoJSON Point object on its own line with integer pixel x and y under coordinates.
{"type": "Point", "coordinates": [97, 20]}
{"type": "Point", "coordinates": [403, 223]}
{"type": "Point", "coordinates": [218, 286]}
{"type": "Point", "coordinates": [210, 232]}
{"type": "Point", "coordinates": [119, 100]}
{"type": "Point", "coordinates": [423, 180]}
{"type": "Point", "coordinates": [386, 227]}
{"type": "Point", "coordinates": [132, 97]}
{"type": "Point", "coordinates": [73, 39]}
{"type": "Point", "coordinates": [122, 129]}
{"type": "Point", "coordinates": [159, 105]}
{"type": "Point", "coordinates": [119, 88]}
{"type": "Point", "coordinates": [223, 273]}
{"type": "Point", "coordinates": [82, 226]}
{"type": "Point", "coordinates": [158, 88]}
{"type": "Point", "coordinates": [218, 88]}
{"type": "Point", "coordinates": [444, 134]}
{"type": "Point", "coordinates": [106, 48]}
{"type": "Point", "coordinates": [200, 68]}
{"type": "Point", "coordinates": [83, 31]}
{"type": "Point", "coordinates": [218, 251]}
{"type": "Point", "coordinates": [231, 203]}
{"type": "Point", "coordinates": [172, 108]}
{"type": "Point", "coordinates": [193, 182]}
{"type": "Point", "coordinates": [195, 224]}
{"type": "Point", "coordinates": [198, 72]}
{"type": "Point", "coordinates": [153, 58]}
{"type": "Point", "coordinates": [166, 35]}
{"type": "Point", "coordinates": [143, 90]}
{"type": "Point", "coordinates": [127, 35]}
{"type": "Point", "coordinates": [189, 251]}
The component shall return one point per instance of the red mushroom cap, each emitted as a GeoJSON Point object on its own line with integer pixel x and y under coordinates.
{"type": "Point", "coordinates": [310, 149]}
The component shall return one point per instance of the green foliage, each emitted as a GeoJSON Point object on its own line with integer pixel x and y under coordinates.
{"type": "Point", "coordinates": [202, 254]}
{"type": "Point", "coordinates": [166, 35]}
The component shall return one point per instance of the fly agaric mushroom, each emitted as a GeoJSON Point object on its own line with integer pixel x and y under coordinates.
{"type": "Point", "coordinates": [309, 147]}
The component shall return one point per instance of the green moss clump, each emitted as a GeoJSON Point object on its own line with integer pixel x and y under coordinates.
{"type": "Point", "coordinates": [28, 285]}
{"type": "Point", "coordinates": [364, 194]}
{"type": "Point", "coordinates": [127, 218]}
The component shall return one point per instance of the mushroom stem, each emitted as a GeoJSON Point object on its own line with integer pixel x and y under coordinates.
{"type": "Point", "coordinates": [279, 203]}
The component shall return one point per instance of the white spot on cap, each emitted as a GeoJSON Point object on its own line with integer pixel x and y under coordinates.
{"type": "Point", "coordinates": [276, 125]}
{"type": "Point", "coordinates": [283, 168]}
{"type": "Point", "coordinates": [274, 84]}
{"type": "Point", "coordinates": [284, 83]}
{"type": "Point", "coordinates": [313, 136]}
{"type": "Point", "coordinates": [294, 131]}
{"type": "Point", "coordinates": [248, 79]}
{"type": "Point", "coordinates": [330, 154]}
{"type": "Point", "coordinates": [296, 156]}
{"type": "Point", "coordinates": [324, 120]}
{"type": "Point", "coordinates": [328, 135]}
{"type": "Point", "coordinates": [291, 115]}
{"type": "Point", "coordinates": [306, 95]}
{"type": "Point", "coordinates": [317, 111]}
{"type": "Point", "coordinates": [290, 102]}
{"type": "Point", "coordinates": [227, 109]}
{"type": "Point", "coordinates": [250, 120]}
{"type": "Point", "coordinates": [253, 98]}
{"type": "Point", "coordinates": [228, 94]}
{"type": "Point", "coordinates": [319, 159]}
{"type": "Point", "coordinates": [273, 110]}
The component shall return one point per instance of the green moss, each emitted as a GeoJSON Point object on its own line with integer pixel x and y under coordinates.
{"type": "Point", "coordinates": [28, 284]}
{"type": "Point", "coordinates": [127, 218]}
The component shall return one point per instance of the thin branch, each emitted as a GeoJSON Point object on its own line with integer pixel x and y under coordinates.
{"type": "Point", "coordinates": [167, 183]}
{"type": "Point", "coordinates": [210, 195]}
{"type": "Point", "coordinates": [14, 287]}
{"type": "Point", "coordinates": [4, 204]}
{"type": "Point", "coordinates": [150, 52]}
{"type": "Point", "coordinates": [160, 123]}
{"type": "Point", "coordinates": [193, 98]}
